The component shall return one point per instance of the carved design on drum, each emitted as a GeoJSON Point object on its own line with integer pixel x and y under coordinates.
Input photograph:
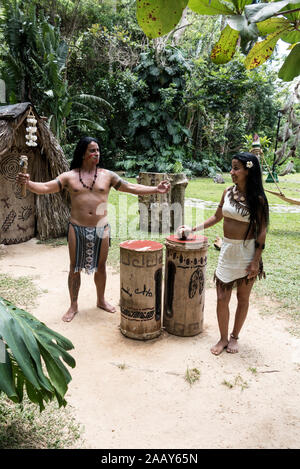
{"type": "Point", "coordinates": [196, 282]}
{"type": "Point", "coordinates": [158, 283]}
{"type": "Point", "coordinates": [140, 260]}
{"type": "Point", "coordinates": [171, 271]}
{"type": "Point", "coordinates": [187, 262]}
{"type": "Point", "coordinates": [140, 315]}
{"type": "Point", "coordinates": [8, 220]}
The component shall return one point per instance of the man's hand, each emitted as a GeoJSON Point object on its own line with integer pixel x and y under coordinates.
{"type": "Point", "coordinates": [163, 187]}
{"type": "Point", "coordinates": [22, 178]}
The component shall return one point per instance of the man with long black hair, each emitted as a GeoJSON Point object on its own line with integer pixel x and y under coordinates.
{"type": "Point", "coordinates": [88, 231]}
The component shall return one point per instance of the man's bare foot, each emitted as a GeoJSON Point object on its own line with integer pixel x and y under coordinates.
{"type": "Point", "coordinates": [219, 347]}
{"type": "Point", "coordinates": [232, 345]}
{"type": "Point", "coordinates": [106, 306]}
{"type": "Point", "coordinates": [69, 314]}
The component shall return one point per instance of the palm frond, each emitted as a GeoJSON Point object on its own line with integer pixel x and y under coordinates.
{"type": "Point", "coordinates": [31, 348]}
{"type": "Point", "coordinates": [93, 99]}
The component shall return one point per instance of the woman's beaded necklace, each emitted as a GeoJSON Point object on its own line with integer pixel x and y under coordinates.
{"type": "Point", "coordinates": [238, 200]}
{"type": "Point", "coordinates": [94, 180]}
{"type": "Point", "coordinates": [237, 195]}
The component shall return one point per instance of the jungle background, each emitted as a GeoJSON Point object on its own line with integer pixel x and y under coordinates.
{"type": "Point", "coordinates": [156, 105]}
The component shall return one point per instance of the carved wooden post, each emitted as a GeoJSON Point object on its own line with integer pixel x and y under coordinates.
{"type": "Point", "coordinates": [162, 213]}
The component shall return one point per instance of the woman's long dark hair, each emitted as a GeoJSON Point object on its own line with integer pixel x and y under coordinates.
{"type": "Point", "coordinates": [255, 195]}
{"type": "Point", "coordinates": [80, 151]}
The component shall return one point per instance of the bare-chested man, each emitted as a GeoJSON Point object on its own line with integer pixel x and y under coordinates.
{"type": "Point", "coordinates": [88, 232]}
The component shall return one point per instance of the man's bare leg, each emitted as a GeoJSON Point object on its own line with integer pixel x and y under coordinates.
{"type": "Point", "coordinates": [223, 298]}
{"type": "Point", "coordinates": [243, 294]}
{"type": "Point", "coordinates": [74, 285]}
{"type": "Point", "coordinates": [73, 279]}
{"type": "Point", "coordinates": [100, 276]}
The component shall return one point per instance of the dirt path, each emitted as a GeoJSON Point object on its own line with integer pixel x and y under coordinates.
{"type": "Point", "coordinates": [132, 394]}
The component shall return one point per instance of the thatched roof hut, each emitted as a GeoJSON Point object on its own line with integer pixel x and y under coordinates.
{"type": "Point", "coordinates": [44, 216]}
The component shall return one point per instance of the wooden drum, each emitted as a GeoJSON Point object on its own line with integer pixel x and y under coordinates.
{"type": "Point", "coordinates": [184, 290]}
{"type": "Point", "coordinates": [141, 288]}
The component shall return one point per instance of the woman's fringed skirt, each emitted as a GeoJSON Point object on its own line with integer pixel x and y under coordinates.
{"type": "Point", "coordinates": [235, 256]}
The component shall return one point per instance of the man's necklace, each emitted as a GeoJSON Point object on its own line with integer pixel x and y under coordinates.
{"type": "Point", "coordinates": [94, 180]}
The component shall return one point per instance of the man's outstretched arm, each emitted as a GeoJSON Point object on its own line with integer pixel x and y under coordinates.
{"type": "Point", "coordinates": [120, 185]}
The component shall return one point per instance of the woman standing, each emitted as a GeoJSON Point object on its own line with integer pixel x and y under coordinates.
{"type": "Point", "coordinates": [244, 208]}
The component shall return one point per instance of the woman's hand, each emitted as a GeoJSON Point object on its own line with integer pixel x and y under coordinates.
{"type": "Point", "coordinates": [252, 269]}
{"type": "Point", "coordinates": [183, 232]}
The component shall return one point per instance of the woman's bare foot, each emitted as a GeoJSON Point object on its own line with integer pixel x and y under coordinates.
{"type": "Point", "coordinates": [106, 306]}
{"type": "Point", "coordinates": [219, 347]}
{"type": "Point", "coordinates": [232, 346]}
{"type": "Point", "coordinates": [69, 314]}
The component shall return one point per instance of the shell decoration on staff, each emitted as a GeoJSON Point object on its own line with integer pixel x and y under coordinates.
{"type": "Point", "coordinates": [31, 138]}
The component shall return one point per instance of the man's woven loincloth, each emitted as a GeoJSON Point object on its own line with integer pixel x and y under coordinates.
{"type": "Point", "coordinates": [88, 246]}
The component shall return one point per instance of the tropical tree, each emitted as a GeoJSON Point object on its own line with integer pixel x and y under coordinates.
{"type": "Point", "coordinates": [156, 132]}
{"type": "Point", "coordinates": [30, 358]}
{"type": "Point", "coordinates": [245, 23]}
{"type": "Point", "coordinates": [35, 60]}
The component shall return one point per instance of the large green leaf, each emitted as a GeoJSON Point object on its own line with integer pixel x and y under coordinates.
{"type": "Point", "coordinates": [262, 11]}
{"type": "Point", "coordinates": [291, 37]}
{"type": "Point", "coordinates": [271, 25]}
{"type": "Point", "coordinates": [158, 17]}
{"type": "Point", "coordinates": [291, 67]}
{"type": "Point", "coordinates": [296, 14]}
{"type": "Point", "coordinates": [27, 342]}
{"type": "Point", "coordinates": [261, 51]}
{"type": "Point", "coordinates": [224, 50]}
{"type": "Point", "coordinates": [211, 7]}
{"type": "Point", "coordinates": [248, 32]}
{"type": "Point", "coordinates": [240, 4]}
{"type": "Point", "coordinates": [6, 378]}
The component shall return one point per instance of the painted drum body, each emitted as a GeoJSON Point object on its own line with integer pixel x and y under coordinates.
{"type": "Point", "coordinates": [184, 292]}
{"type": "Point", "coordinates": [141, 288]}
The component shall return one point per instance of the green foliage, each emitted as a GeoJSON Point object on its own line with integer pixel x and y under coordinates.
{"type": "Point", "coordinates": [26, 343]}
{"type": "Point", "coordinates": [246, 21]}
{"type": "Point", "coordinates": [223, 104]}
{"type": "Point", "coordinates": [36, 69]}
{"type": "Point", "coordinates": [155, 112]}
{"type": "Point", "coordinates": [265, 142]}
{"type": "Point", "coordinates": [157, 17]}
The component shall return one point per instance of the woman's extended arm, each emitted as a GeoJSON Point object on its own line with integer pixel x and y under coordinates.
{"type": "Point", "coordinates": [213, 219]}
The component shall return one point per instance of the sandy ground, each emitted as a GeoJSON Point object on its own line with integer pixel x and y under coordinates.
{"type": "Point", "coordinates": [133, 394]}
